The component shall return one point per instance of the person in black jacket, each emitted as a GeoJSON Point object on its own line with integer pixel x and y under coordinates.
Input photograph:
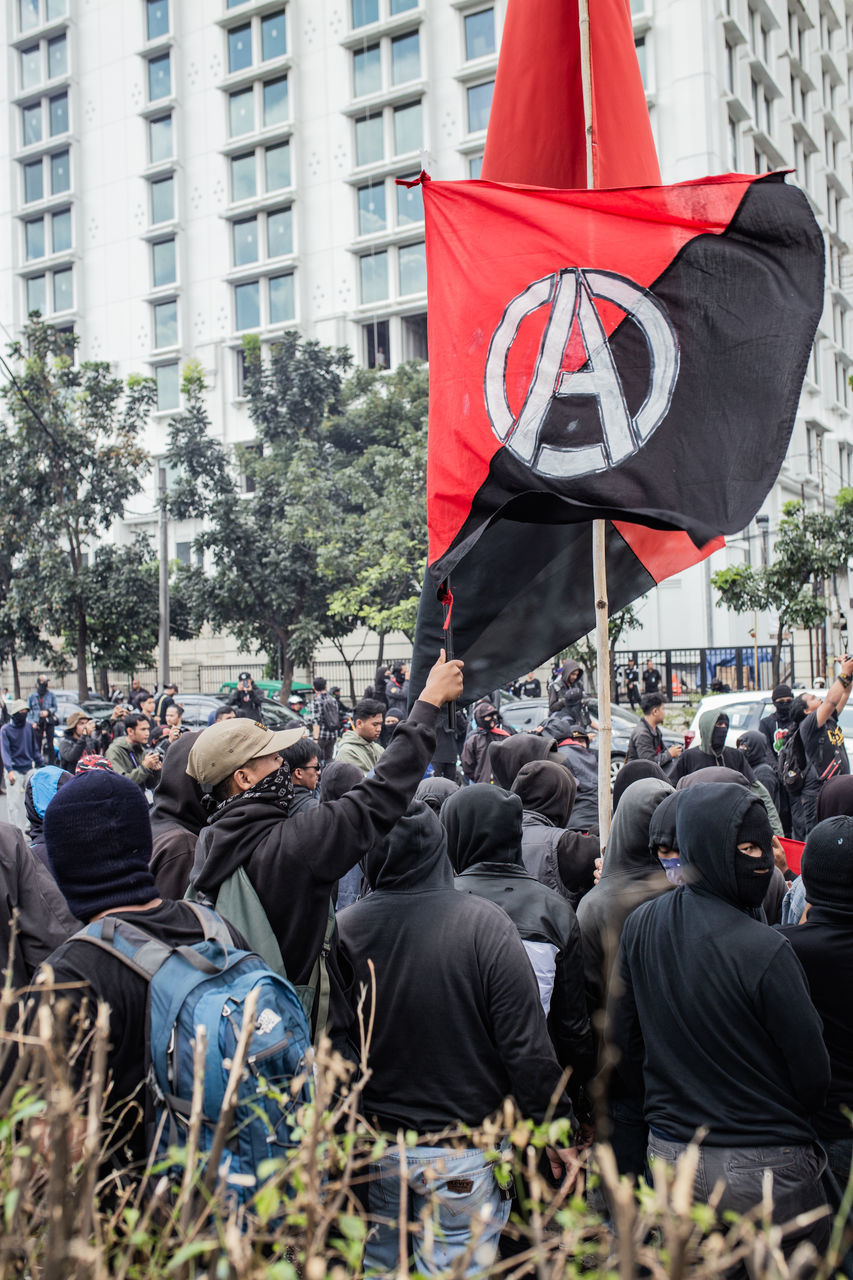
{"type": "Point", "coordinates": [712, 750]}
{"type": "Point", "coordinates": [823, 943]}
{"type": "Point", "coordinates": [712, 1012]}
{"type": "Point", "coordinates": [454, 990]}
{"type": "Point", "coordinates": [246, 699]}
{"type": "Point", "coordinates": [44, 918]}
{"type": "Point", "coordinates": [77, 740]}
{"type": "Point", "coordinates": [646, 741]}
{"type": "Point", "coordinates": [483, 825]}
{"type": "Point", "coordinates": [777, 725]}
{"type": "Point", "coordinates": [293, 863]}
{"type": "Point", "coordinates": [177, 817]}
{"type": "Point", "coordinates": [563, 860]}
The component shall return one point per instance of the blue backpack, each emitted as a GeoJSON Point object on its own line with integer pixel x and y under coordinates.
{"type": "Point", "coordinates": [207, 984]}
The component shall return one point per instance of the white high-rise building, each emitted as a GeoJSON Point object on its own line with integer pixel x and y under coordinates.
{"type": "Point", "coordinates": [177, 173]}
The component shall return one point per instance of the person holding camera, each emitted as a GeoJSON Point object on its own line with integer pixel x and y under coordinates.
{"type": "Point", "coordinates": [79, 739]}
{"type": "Point", "coordinates": [246, 699]}
{"type": "Point", "coordinates": [42, 716]}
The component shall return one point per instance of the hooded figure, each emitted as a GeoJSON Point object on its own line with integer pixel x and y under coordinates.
{"type": "Point", "coordinates": [483, 826]}
{"type": "Point", "coordinates": [40, 790]}
{"type": "Point", "coordinates": [44, 919]}
{"type": "Point", "coordinates": [454, 990]}
{"type": "Point", "coordinates": [177, 818]}
{"type": "Point", "coordinates": [632, 771]}
{"type": "Point", "coordinates": [630, 875]}
{"type": "Point", "coordinates": [337, 778]}
{"type": "Point", "coordinates": [663, 841]}
{"type": "Point", "coordinates": [561, 859]}
{"type": "Point", "coordinates": [836, 798]}
{"type": "Point", "coordinates": [713, 1010]}
{"type": "Point", "coordinates": [762, 761]}
{"type": "Point", "coordinates": [567, 694]}
{"type": "Point", "coordinates": [435, 791]}
{"type": "Point", "coordinates": [712, 749]}
{"type": "Point", "coordinates": [574, 752]}
{"type": "Point", "coordinates": [508, 755]}
{"type": "Point", "coordinates": [476, 764]}
{"type": "Point", "coordinates": [776, 726]}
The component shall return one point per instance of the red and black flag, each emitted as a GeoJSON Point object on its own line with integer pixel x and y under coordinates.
{"type": "Point", "coordinates": [635, 355]}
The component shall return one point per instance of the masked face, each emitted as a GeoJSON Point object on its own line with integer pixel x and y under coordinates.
{"type": "Point", "coordinates": [783, 710]}
{"type": "Point", "coordinates": [718, 736]}
{"type": "Point", "coordinates": [19, 718]}
{"type": "Point", "coordinates": [753, 866]}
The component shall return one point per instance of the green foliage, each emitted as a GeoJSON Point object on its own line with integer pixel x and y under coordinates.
{"type": "Point", "coordinates": [72, 455]}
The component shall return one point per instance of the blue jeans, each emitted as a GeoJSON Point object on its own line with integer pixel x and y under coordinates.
{"type": "Point", "coordinates": [839, 1155]}
{"type": "Point", "coordinates": [445, 1190]}
{"type": "Point", "coordinates": [796, 1173]}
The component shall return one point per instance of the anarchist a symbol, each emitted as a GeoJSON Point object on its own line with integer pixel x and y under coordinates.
{"type": "Point", "coordinates": [571, 293]}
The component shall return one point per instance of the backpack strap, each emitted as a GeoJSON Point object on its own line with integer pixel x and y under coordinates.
{"type": "Point", "coordinates": [147, 954]}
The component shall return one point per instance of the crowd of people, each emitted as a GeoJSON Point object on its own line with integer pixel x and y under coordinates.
{"type": "Point", "coordinates": [685, 986]}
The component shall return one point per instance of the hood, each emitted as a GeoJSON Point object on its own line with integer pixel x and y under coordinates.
{"type": "Point", "coordinates": [711, 776]}
{"type": "Point", "coordinates": [483, 824]}
{"type": "Point", "coordinates": [548, 789]}
{"type": "Point", "coordinates": [627, 852]}
{"type": "Point", "coordinates": [569, 667]}
{"type": "Point", "coordinates": [337, 778]}
{"type": "Point", "coordinates": [39, 792]}
{"type": "Point", "coordinates": [412, 858]}
{"type": "Point", "coordinates": [707, 720]}
{"type": "Point", "coordinates": [484, 709]}
{"type": "Point", "coordinates": [434, 792]}
{"type": "Point", "coordinates": [507, 756]}
{"type": "Point", "coordinates": [662, 825]}
{"type": "Point", "coordinates": [707, 824]}
{"type": "Point", "coordinates": [177, 800]}
{"type": "Point", "coordinates": [835, 798]}
{"type": "Point", "coordinates": [754, 747]}
{"type": "Point", "coordinates": [632, 772]}
{"type": "Point", "coordinates": [559, 726]}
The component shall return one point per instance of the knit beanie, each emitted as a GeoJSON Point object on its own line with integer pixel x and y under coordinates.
{"type": "Point", "coordinates": [827, 868]}
{"type": "Point", "coordinates": [781, 691]}
{"type": "Point", "coordinates": [98, 837]}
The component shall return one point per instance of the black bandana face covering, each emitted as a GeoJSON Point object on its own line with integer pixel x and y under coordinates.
{"type": "Point", "coordinates": [276, 788]}
{"type": "Point", "coordinates": [753, 876]}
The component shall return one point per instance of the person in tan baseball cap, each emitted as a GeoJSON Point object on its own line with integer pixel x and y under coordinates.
{"type": "Point", "coordinates": [273, 873]}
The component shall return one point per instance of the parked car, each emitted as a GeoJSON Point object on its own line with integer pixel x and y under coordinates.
{"type": "Point", "coordinates": [66, 702]}
{"type": "Point", "coordinates": [746, 708]}
{"type": "Point", "coordinates": [270, 688]}
{"type": "Point", "coordinates": [526, 714]}
{"type": "Point", "coordinates": [198, 706]}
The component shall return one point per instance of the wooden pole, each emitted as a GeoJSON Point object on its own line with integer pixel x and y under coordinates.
{"type": "Point", "coordinates": [599, 527]}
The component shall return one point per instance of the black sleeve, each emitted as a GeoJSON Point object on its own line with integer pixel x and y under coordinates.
{"type": "Point", "coordinates": [622, 1026]}
{"type": "Point", "coordinates": [568, 1019]}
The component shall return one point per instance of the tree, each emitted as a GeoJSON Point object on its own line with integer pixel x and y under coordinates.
{"type": "Point", "coordinates": [75, 459]}
{"type": "Point", "coordinates": [266, 587]}
{"type": "Point", "coordinates": [584, 650]}
{"type": "Point", "coordinates": [808, 549]}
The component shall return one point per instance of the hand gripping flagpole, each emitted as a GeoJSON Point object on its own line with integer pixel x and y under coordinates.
{"type": "Point", "coordinates": [599, 560]}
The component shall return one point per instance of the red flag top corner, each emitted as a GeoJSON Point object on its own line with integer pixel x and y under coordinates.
{"type": "Point", "coordinates": [537, 138]}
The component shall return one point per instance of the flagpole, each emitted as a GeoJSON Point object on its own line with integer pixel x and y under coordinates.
{"type": "Point", "coordinates": [599, 527]}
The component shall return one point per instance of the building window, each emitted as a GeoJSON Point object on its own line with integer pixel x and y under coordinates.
{"type": "Point", "coordinates": [233, 4]}
{"type": "Point", "coordinates": [640, 50]}
{"type": "Point", "coordinates": [376, 347]}
{"type": "Point", "coordinates": [371, 209]}
{"type": "Point", "coordinates": [241, 112]}
{"type": "Point", "coordinates": [276, 106]}
{"type": "Point", "coordinates": [30, 67]}
{"type": "Point", "coordinates": [415, 338]}
{"type": "Point", "coordinates": [277, 166]}
{"type": "Point", "coordinates": [363, 12]}
{"type": "Point", "coordinates": [411, 263]}
{"type": "Point", "coordinates": [475, 166]}
{"type": "Point", "coordinates": [247, 305]}
{"type": "Point", "coordinates": [183, 552]}
{"type": "Point", "coordinates": [273, 36]}
{"type": "Point", "coordinates": [31, 124]}
{"type": "Point", "coordinates": [156, 18]}
{"type": "Point", "coordinates": [405, 58]}
{"type": "Point", "coordinates": [60, 231]}
{"type": "Point", "coordinates": [245, 235]}
{"type": "Point", "coordinates": [28, 14]}
{"type": "Point", "coordinates": [240, 377]}
{"type": "Point", "coordinates": [373, 271]}
{"type": "Point", "coordinates": [842, 383]}
{"type": "Point", "coordinates": [60, 172]}
{"type": "Point", "coordinates": [57, 58]}
{"type": "Point", "coordinates": [36, 294]}
{"type": "Point", "coordinates": [63, 290]}
{"type": "Point", "coordinates": [479, 34]}
{"type": "Point", "coordinates": [814, 363]}
{"type": "Point", "coordinates": [408, 128]}
{"type": "Point", "coordinates": [410, 205]}
{"type": "Point", "coordinates": [34, 239]}
{"type": "Point", "coordinates": [166, 324]}
{"type": "Point", "coordinates": [733, 144]}
{"type": "Point", "coordinates": [160, 139]}
{"type": "Point", "coordinates": [240, 48]}
{"type": "Point", "coordinates": [243, 182]}
{"type": "Point", "coordinates": [163, 264]}
{"type": "Point", "coordinates": [33, 182]}
{"type": "Point", "coordinates": [282, 304]}
{"type": "Point", "coordinates": [163, 200]}
{"type": "Point", "coordinates": [168, 386]}
{"type": "Point", "coordinates": [58, 114]}
{"type": "Point", "coordinates": [366, 71]}
{"type": "Point", "coordinates": [402, 6]}
{"type": "Point", "coordinates": [479, 105]}
{"type": "Point", "coordinates": [279, 233]}
{"type": "Point", "coordinates": [159, 77]}
{"type": "Point", "coordinates": [369, 144]}
{"type": "Point", "coordinates": [56, 9]}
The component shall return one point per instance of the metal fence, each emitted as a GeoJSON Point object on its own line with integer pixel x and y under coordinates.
{"type": "Point", "coordinates": [689, 673]}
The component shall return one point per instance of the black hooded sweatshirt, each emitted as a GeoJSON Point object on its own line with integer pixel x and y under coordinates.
{"type": "Point", "coordinates": [561, 859]}
{"type": "Point", "coordinates": [177, 817]}
{"type": "Point", "coordinates": [631, 874]}
{"type": "Point", "coordinates": [714, 1006]}
{"type": "Point", "coordinates": [483, 826]}
{"type": "Point", "coordinates": [459, 1026]}
{"type": "Point", "coordinates": [294, 863]}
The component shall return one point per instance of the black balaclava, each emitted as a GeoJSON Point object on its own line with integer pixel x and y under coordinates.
{"type": "Point", "coordinates": [753, 874]}
{"type": "Point", "coordinates": [42, 687]}
{"type": "Point", "coordinates": [20, 719]}
{"type": "Point", "coordinates": [718, 735]}
{"type": "Point", "coordinates": [782, 697]}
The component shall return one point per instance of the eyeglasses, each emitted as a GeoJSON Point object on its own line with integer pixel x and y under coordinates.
{"type": "Point", "coordinates": [306, 767]}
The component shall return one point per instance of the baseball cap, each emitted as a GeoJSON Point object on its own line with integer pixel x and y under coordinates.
{"type": "Point", "coordinates": [228, 745]}
{"type": "Point", "coordinates": [244, 675]}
